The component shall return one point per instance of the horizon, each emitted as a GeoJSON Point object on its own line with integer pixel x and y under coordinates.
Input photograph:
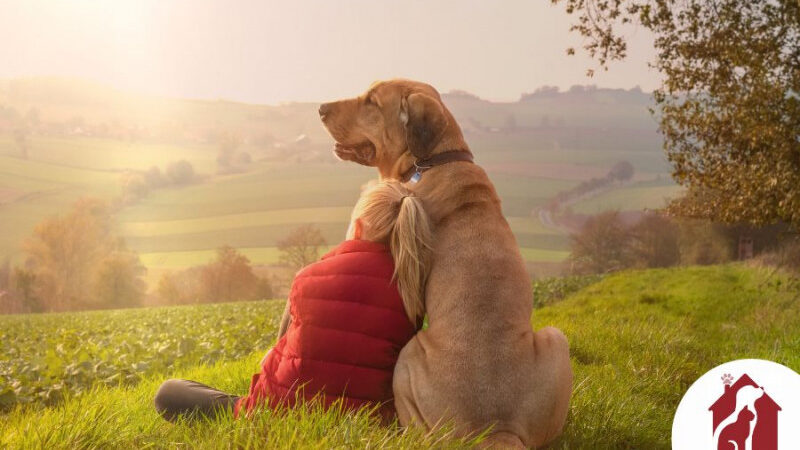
{"type": "Point", "coordinates": [278, 52]}
{"type": "Point", "coordinates": [455, 91]}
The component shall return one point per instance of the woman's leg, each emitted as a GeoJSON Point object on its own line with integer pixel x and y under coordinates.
{"type": "Point", "coordinates": [186, 397]}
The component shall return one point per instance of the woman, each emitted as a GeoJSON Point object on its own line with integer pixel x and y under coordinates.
{"type": "Point", "coordinates": [346, 320]}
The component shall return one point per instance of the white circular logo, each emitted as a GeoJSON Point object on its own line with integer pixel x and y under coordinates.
{"type": "Point", "coordinates": [747, 404]}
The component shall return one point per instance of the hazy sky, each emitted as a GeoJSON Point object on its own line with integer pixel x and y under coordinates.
{"type": "Point", "coordinates": [309, 50]}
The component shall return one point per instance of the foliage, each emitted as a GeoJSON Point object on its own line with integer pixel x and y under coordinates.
{"type": "Point", "coordinates": [621, 171]}
{"type": "Point", "coordinates": [46, 357]}
{"type": "Point", "coordinates": [703, 243]}
{"type": "Point", "coordinates": [547, 291]}
{"type": "Point", "coordinates": [606, 244]}
{"type": "Point", "coordinates": [118, 280]}
{"type": "Point", "coordinates": [229, 277]}
{"type": "Point", "coordinates": [302, 246]}
{"type": "Point", "coordinates": [180, 287]}
{"type": "Point", "coordinates": [134, 187]}
{"type": "Point", "coordinates": [69, 257]}
{"type": "Point", "coordinates": [602, 245]}
{"type": "Point", "coordinates": [654, 242]}
{"type": "Point", "coordinates": [180, 172]}
{"type": "Point", "coordinates": [729, 103]}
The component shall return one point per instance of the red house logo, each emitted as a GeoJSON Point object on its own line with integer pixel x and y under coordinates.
{"type": "Point", "coordinates": [744, 416]}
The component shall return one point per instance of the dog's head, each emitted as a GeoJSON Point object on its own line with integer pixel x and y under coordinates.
{"type": "Point", "coordinates": [391, 125]}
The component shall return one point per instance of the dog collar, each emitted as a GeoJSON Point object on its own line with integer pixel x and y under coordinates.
{"type": "Point", "coordinates": [414, 173]}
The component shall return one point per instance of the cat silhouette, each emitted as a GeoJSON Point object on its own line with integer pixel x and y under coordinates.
{"type": "Point", "coordinates": [734, 435]}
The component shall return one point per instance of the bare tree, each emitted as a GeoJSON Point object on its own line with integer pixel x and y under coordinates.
{"type": "Point", "coordinates": [302, 246]}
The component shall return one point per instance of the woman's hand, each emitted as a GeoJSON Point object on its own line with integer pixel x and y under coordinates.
{"type": "Point", "coordinates": [286, 320]}
{"type": "Point", "coordinates": [261, 364]}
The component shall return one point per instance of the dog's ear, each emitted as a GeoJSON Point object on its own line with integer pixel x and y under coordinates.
{"type": "Point", "coordinates": [425, 122]}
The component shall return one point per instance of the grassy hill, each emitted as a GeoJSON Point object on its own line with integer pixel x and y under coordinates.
{"type": "Point", "coordinates": [638, 340]}
{"type": "Point", "coordinates": [83, 137]}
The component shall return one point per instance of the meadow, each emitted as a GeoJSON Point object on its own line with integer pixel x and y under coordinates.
{"type": "Point", "coordinates": [638, 340]}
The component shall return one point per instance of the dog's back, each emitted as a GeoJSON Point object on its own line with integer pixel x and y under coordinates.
{"type": "Point", "coordinates": [475, 364]}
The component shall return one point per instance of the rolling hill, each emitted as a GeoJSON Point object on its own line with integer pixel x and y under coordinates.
{"type": "Point", "coordinates": [81, 139]}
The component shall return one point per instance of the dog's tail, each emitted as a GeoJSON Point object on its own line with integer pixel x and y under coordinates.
{"type": "Point", "coordinates": [502, 440]}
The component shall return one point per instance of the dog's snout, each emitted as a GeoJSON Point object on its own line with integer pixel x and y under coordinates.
{"type": "Point", "coordinates": [324, 109]}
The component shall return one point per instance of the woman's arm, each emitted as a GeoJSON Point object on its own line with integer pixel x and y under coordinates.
{"type": "Point", "coordinates": [286, 320]}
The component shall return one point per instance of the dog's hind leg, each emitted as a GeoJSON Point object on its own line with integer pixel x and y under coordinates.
{"type": "Point", "coordinates": [501, 440]}
{"type": "Point", "coordinates": [554, 379]}
{"type": "Point", "coordinates": [405, 402]}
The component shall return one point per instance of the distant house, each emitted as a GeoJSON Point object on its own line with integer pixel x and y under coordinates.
{"type": "Point", "coordinates": [765, 433]}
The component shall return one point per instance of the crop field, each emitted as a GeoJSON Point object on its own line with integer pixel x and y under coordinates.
{"type": "Point", "coordinates": [49, 356]}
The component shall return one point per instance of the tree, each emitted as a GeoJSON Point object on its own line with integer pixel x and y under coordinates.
{"type": "Point", "coordinates": [654, 242]}
{"type": "Point", "coordinates": [602, 245]}
{"type": "Point", "coordinates": [182, 287]}
{"type": "Point", "coordinates": [226, 149]}
{"type": "Point", "coordinates": [154, 178]}
{"type": "Point", "coordinates": [180, 172]}
{"type": "Point", "coordinates": [118, 281]}
{"type": "Point", "coordinates": [63, 252]}
{"type": "Point", "coordinates": [301, 247]}
{"type": "Point", "coordinates": [134, 187]}
{"type": "Point", "coordinates": [24, 283]}
{"type": "Point", "coordinates": [729, 102]}
{"type": "Point", "coordinates": [621, 171]}
{"type": "Point", "coordinates": [228, 278]}
{"type": "Point", "coordinates": [702, 242]}
{"type": "Point", "coordinates": [76, 261]}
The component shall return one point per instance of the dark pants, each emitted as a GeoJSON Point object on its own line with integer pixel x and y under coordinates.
{"type": "Point", "coordinates": [191, 399]}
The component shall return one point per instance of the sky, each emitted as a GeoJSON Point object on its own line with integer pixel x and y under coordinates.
{"type": "Point", "coordinates": [306, 50]}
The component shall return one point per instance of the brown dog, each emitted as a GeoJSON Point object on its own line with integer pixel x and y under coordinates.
{"type": "Point", "coordinates": [478, 364]}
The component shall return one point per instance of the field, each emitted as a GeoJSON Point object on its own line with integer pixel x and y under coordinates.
{"type": "Point", "coordinates": [638, 340]}
{"type": "Point", "coordinates": [635, 197]}
{"type": "Point", "coordinates": [558, 143]}
{"type": "Point", "coordinates": [49, 356]}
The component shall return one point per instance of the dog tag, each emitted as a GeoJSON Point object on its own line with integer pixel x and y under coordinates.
{"type": "Point", "coordinates": [415, 178]}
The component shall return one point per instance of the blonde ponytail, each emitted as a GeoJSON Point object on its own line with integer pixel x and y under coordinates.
{"type": "Point", "coordinates": [391, 213]}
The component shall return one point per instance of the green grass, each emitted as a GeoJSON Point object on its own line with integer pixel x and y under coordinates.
{"type": "Point", "coordinates": [638, 340]}
{"type": "Point", "coordinates": [124, 418]}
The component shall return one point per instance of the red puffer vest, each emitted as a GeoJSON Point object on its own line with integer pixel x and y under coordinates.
{"type": "Point", "coordinates": [348, 327]}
